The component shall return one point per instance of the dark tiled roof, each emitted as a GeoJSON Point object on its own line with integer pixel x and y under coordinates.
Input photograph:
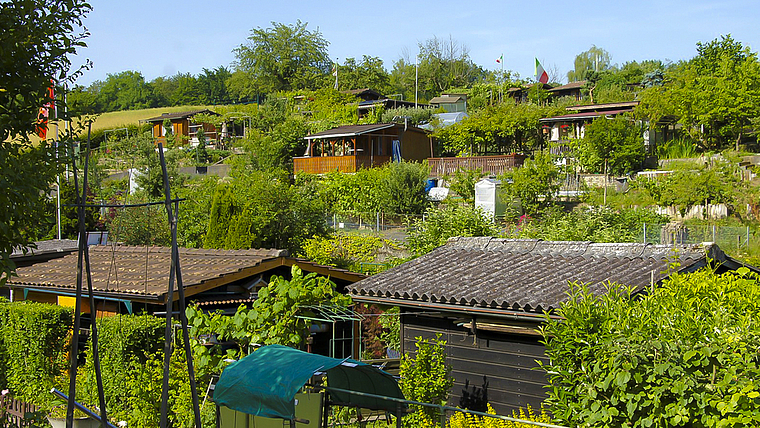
{"type": "Point", "coordinates": [585, 115]}
{"type": "Point", "coordinates": [572, 85]}
{"type": "Point", "coordinates": [178, 115]}
{"type": "Point", "coordinates": [354, 130]}
{"type": "Point", "coordinates": [451, 99]}
{"type": "Point", "coordinates": [521, 275]}
{"type": "Point", "coordinates": [144, 272]}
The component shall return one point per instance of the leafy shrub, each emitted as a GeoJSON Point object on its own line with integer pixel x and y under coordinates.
{"type": "Point", "coordinates": [273, 318]}
{"type": "Point", "coordinates": [464, 420]}
{"type": "Point", "coordinates": [444, 222]}
{"type": "Point", "coordinates": [345, 251]}
{"type": "Point", "coordinates": [536, 183]}
{"type": "Point", "coordinates": [402, 189]}
{"type": "Point", "coordinates": [684, 354]}
{"type": "Point", "coordinates": [426, 378]}
{"type": "Point", "coordinates": [463, 183]}
{"type": "Point", "coordinates": [596, 224]}
{"type": "Point", "coordinates": [33, 345]}
{"type": "Point", "coordinates": [140, 226]}
{"type": "Point", "coordinates": [414, 116]}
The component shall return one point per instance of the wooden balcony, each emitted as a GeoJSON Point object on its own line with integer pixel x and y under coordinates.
{"type": "Point", "coordinates": [325, 164]}
{"type": "Point", "coordinates": [491, 165]}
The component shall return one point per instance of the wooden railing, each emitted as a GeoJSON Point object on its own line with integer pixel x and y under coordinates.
{"type": "Point", "coordinates": [15, 410]}
{"type": "Point", "coordinates": [440, 167]}
{"type": "Point", "coordinates": [324, 164]}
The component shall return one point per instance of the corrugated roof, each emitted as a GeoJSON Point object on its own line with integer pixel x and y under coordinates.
{"type": "Point", "coordinates": [178, 115]}
{"type": "Point", "coordinates": [143, 272]}
{"type": "Point", "coordinates": [572, 85]}
{"type": "Point", "coordinates": [521, 275]}
{"type": "Point", "coordinates": [585, 115]}
{"type": "Point", "coordinates": [451, 99]}
{"type": "Point", "coordinates": [48, 247]}
{"type": "Point", "coordinates": [350, 131]}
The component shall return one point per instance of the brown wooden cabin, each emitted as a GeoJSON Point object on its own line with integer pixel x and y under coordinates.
{"type": "Point", "coordinates": [182, 125]}
{"type": "Point", "coordinates": [572, 89]}
{"type": "Point", "coordinates": [349, 148]}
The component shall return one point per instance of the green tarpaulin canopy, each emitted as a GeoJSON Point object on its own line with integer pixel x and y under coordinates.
{"type": "Point", "coordinates": [265, 382]}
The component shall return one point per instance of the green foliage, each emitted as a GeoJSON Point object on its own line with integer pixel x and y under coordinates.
{"type": "Point", "coordinates": [273, 318]}
{"type": "Point", "coordinates": [391, 322]}
{"type": "Point", "coordinates": [715, 95]}
{"type": "Point", "coordinates": [442, 64]}
{"type": "Point", "coordinates": [194, 211]}
{"type": "Point", "coordinates": [142, 226]}
{"type": "Point", "coordinates": [345, 251]}
{"type": "Point", "coordinates": [126, 90]}
{"type": "Point", "coordinates": [594, 59]}
{"type": "Point", "coordinates": [353, 193]}
{"type": "Point", "coordinates": [282, 58]}
{"type": "Point", "coordinates": [463, 183]}
{"type": "Point", "coordinates": [402, 189]}
{"type": "Point", "coordinates": [681, 355]}
{"type": "Point", "coordinates": [684, 188]}
{"type": "Point", "coordinates": [150, 177]}
{"type": "Point", "coordinates": [617, 143]}
{"type": "Point", "coordinates": [447, 221]}
{"type": "Point", "coordinates": [464, 420]}
{"type": "Point", "coordinates": [33, 345]}
{"type": "Point", "coordinates": [414, 116]}
{"type": "Point", "coordinates": [501, 129]}
{"type": "Point", "coordinates": [426, 378]}
{"type": "Point", "coordinates": [596, 224]}
{"type": "Point", "coordinates": [536, 183]}
{"type": "Point", "coordinates": [37, 36]}
{"type": "Point", "coordinates": [367, 73]}
{"type": "Point", "coordinates": [69, 212]}
{"type": "Point", "coordinates": [258, 210]}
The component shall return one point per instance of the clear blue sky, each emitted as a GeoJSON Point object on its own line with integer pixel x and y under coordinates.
{"type": "Point", "coordinates": [161, 38]}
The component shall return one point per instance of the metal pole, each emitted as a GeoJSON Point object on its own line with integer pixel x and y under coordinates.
{"type": "Point", "coordinates": [645, 233]}
{"type": "Point", "coordinates": [416, 75]}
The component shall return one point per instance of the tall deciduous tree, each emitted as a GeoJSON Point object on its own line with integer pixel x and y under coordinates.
{"type": "Point", "coordinates": [37, 37]}
{"type": "Point", "coordinates": [443, 64]}
{"type": "Point", "coordinates": [594, 59]}
{"type": "Point", "coordinates": [282, 58]}
{"type": "Point", "coordinates": [715, 95]}
{"type": "Point", "coordinates": [367, 73]}
{"type": "Point", "coordinates": [126, 91]}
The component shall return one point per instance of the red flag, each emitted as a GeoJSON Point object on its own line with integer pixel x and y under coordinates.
{"type": "Point", "coordinates": [44, 113]}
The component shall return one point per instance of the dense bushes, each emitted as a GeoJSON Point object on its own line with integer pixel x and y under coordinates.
{"type": "Point", "coordinates": [685, 354]}
{"type": "Point", "coordinates": [33, 345]}
{"type": "Point", "coordinates": [447, 221]}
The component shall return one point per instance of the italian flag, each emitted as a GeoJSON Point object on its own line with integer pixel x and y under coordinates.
{"type": "Point", "coordinates": [500, 59]}
{"type": "Point", "coordinates": [541, 75]}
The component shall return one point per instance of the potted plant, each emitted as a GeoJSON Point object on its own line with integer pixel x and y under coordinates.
{"type": "Point", "coordinates": [57, 418]}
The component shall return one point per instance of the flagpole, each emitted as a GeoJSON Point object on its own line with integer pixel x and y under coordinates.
{"type": "Point", "coordinates": [501, 85]}
{"type": "Point", "coordinates": [416, 75]}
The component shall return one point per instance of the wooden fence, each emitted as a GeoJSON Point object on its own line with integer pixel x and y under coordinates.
{"type": "Point", "coordinates": [349, 163]}
{"type": "Point", "coordinates": [491, 165]}
{"type": "Point", "coordinates": [14, 410]}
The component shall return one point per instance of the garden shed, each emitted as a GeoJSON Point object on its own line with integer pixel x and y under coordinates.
{"type": "Point", "coordinates": [487, 297]}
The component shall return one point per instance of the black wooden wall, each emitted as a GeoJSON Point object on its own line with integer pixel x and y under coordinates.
{"type": "Point", "coordinates": [496, 367]}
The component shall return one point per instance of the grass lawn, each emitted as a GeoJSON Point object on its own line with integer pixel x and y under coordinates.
{"type": "Point", "coordinates": [119, 119]}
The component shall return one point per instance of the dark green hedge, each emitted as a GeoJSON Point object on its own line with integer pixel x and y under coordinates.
{"type": "Point", "coordinates": [33, 348]}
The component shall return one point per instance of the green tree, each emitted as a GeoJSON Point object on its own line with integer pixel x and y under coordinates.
{"type": "Point", "coordinates": [442, 64]}
{"type": "Point", "coordinates": [212, 85]}
{"type": "Point", "coordinates": [367, 73]}
{"type": "Point", "coordinates": [715, 95]}
{"type": "Point", "coordinates": [282, 58]}
{"type": "Point", "coordinates": [611, 146]}
{"type": "Point", "coordinates": [126, 90]}
{"type": "Point", "coordinates": [594, 59]}
{"type": "Point", "coordinates": [403, 188]}
{"type": "Point", "coordinates": [259, 210]}
{"type": "Point", "coordinates": [37, 38]}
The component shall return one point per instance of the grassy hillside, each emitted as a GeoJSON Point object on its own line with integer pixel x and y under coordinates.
{"type": "Point", "coordinates": [119, 119]}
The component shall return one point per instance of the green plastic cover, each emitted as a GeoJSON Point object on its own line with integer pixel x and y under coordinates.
{"type": "Point", "coordinates": [265, 382]}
